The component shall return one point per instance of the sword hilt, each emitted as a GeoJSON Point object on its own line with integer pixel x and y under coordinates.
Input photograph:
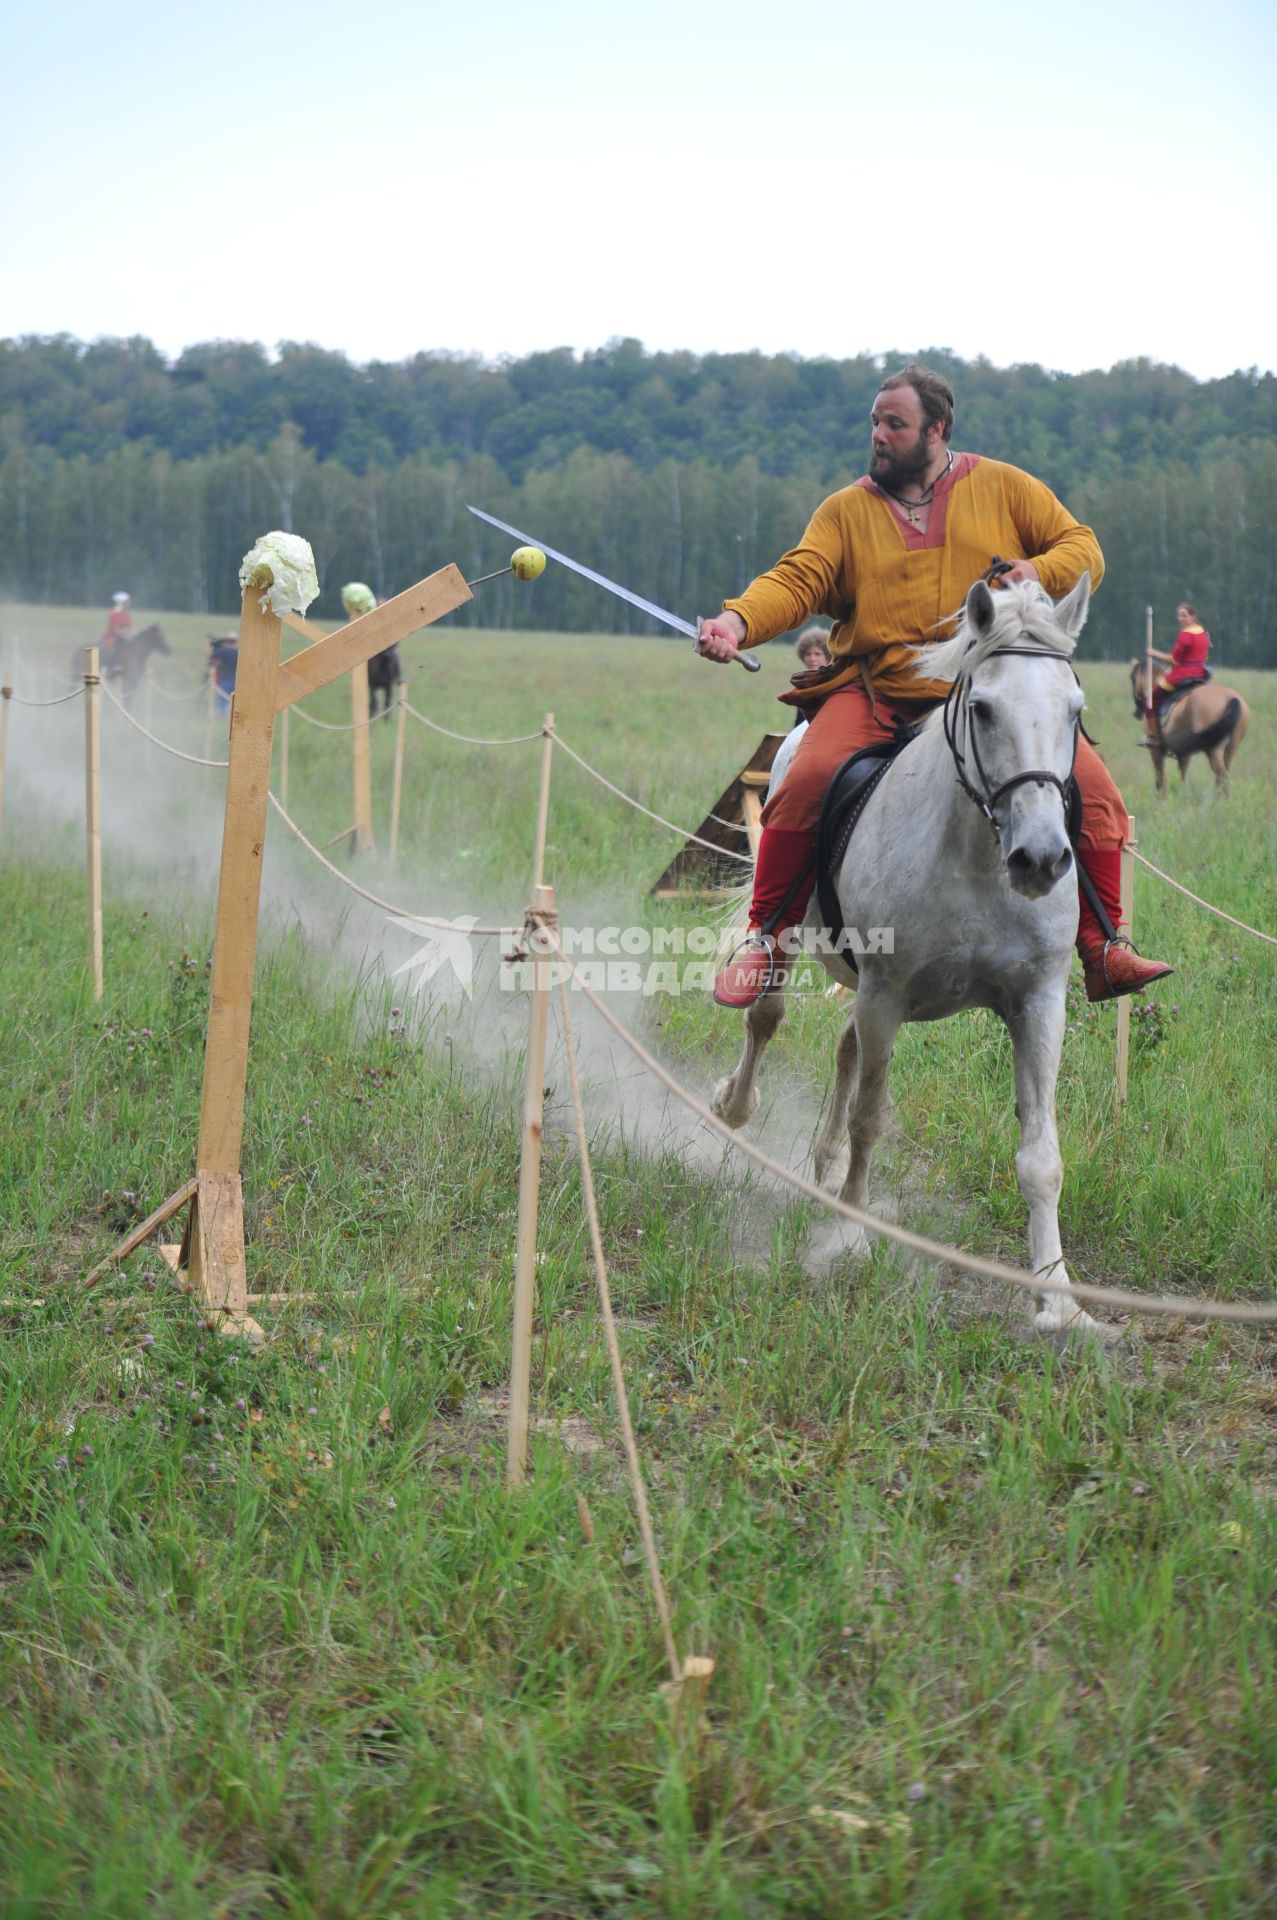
{"type": "Point", "coordinates": [746, 660]}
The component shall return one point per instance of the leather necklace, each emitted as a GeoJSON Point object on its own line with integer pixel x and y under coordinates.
{"type": "Point", "coordinates": [924, 499]}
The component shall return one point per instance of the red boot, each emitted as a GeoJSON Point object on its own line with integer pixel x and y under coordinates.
{"type": "Point", "coordinates": [755, 968]}
{"type": "Point", "coordinates": [783, 881]}
{"type": "Point", "coordinates": [1110, 967]}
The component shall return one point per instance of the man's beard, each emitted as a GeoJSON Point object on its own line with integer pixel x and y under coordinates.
{"type": "Point", "coordinates": [901, 470]}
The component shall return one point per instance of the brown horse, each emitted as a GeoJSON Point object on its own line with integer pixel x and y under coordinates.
{"type": "Point", "coordinates": [1212, 719]}
{"type": "Point", "coordinates": [127, 661]}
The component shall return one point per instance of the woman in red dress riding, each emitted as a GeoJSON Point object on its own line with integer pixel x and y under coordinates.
{"type": "Point", "coordinates": [1187, 659]}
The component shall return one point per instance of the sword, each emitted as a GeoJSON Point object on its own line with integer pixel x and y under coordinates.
{"type": "Point", "coordinates": [747, 660]}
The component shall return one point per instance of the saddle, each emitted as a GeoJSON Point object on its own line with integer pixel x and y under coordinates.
{"type": "Point", "coordinates": [845, 800]}
{"type": "Point", "coordinates": [848, 795]}
{"type": "Point", "coordinates": [1166, 697]}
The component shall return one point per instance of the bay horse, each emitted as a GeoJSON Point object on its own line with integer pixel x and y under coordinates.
{"type": "Point", "coordinates": [963, 854]}
{"type": "Point", "coordinates": [1212, 719]}
{"type": "Point", "coordinates": [127, 661]}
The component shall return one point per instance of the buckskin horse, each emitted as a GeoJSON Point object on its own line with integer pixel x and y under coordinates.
{"type": "Point", "coordinates": [963, 852]}
{"type": "Point", "coordinates": [1212, 719]}
{"type": "Point", "coordinates": [127, 661]}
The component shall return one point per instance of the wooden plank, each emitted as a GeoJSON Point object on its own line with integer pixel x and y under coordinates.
{"type": "Point", "coordinates": [217, 1273]}
{"type": "Point", "coordinates": [752, 807]}
{"type": "Point", "coordinates": [396, 792]}
{"type": "Point", "coordinates": [360, 759]}
{"type": "Point", "coordinates": [307, 628]}
{"type": "Point", "coordinates": [327, 659]}
{"type": "Point", "coordinates": [131, 1241]}
{"type": "Point", "coordinates": [543, 802]}
{"type": "Point", "coordinates": [239, 893]}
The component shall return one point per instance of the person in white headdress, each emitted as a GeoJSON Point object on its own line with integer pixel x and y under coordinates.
{"type": "Point", "coordinates": [119, 622]}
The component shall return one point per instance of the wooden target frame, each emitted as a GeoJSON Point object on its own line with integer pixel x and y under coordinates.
{"type": "Point", "coordinates": [211, 1253]}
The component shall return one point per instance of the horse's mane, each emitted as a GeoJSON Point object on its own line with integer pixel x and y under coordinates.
{"type": "Point", "coordinates": [1022, 612]}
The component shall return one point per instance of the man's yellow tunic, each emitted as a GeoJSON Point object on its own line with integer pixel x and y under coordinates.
{"type": "Point", "coordinates": [892, 588]}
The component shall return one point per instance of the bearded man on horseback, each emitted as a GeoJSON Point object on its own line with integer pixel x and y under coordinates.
{"type": "Point", "coordinates": [890, 558]}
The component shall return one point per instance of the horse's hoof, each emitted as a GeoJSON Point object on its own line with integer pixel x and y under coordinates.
{"type": "Point", "coordinates": [726, 1106]}
{"type": "Point", "coordinates": [836, 1241]}
{"type": "Point", "coordinates": [1064, 1329]}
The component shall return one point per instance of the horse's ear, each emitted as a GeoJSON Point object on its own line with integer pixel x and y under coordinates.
{"type": "Point", "coordinates": [1071, 611]}
{"type": "Point", "coordinates": [980, 611]}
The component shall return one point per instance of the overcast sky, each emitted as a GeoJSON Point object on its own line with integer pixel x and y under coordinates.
{"type": "Point", "coordinates": [1075, 187]}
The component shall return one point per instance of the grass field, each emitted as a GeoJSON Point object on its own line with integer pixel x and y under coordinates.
{"type": "Point", "coordinates": [994, 1627]}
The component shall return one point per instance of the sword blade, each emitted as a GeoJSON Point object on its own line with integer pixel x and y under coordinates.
{"type": "Point", "coordinates": [662, 614]}
{"type": "Point", "coordinates": [587, 573]}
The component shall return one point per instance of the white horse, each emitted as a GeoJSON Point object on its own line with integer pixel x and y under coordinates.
{"type": "Point", "coordinates": [963, 852]}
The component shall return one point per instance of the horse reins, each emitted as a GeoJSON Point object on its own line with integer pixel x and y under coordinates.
{"type": "Point", "coordinates": [955, 703]}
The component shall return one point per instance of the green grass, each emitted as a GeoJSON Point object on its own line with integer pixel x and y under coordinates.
{"type": "Point", "coordinates": [994, 1629]}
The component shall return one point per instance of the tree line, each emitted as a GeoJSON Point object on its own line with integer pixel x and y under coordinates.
{"type": "Point", "coordinates": [681, 475]}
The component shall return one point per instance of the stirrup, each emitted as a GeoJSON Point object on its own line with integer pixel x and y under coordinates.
{"type": "Point", "coordinates": [740, 996]}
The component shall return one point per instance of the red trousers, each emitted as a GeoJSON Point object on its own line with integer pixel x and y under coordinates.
{"type": "Point", "coordinates": [846, 721]}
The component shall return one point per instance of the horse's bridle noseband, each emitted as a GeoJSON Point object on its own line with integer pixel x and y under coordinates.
{"type": "Point", "coordinates": [956, 701]}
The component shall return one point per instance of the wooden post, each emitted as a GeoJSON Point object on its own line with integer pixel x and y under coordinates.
{"type": "Point", "coordinates": [215, 1231]}
{"type": "Point", "coordinates": [1148, 657]}
{"type": "Point", "coordinates": [396, 792]}
{"type": "Point", "coordinates": [6, 692]}
{"type": "Point", "coordinates": [361, 840]}
{"type": "Point", "coordinates": [1127, 885]}
{"type": "Point", "coordinates": [93, 811]}
{"type": "Point", "coordinates": [525, 1255]}
{"type": "Point", "coordinates": [543, 801]}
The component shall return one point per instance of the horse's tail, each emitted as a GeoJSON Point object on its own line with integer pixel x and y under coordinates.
{"type": "Point", "coordinates": [1212, 735]}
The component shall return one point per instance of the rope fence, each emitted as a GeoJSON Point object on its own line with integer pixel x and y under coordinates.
{"type": "Point", "coordinates": [1199, 902]}
{"type": "Point", "coordinates": [75, 694]}
{"type": "Point", "coordinates": [339, 726]}
{"type": "Point", "coordinates": [469, 739]}
{"type": "Point", "coordinates": [1241, 1313]}
{"type": "Point", "coordinates": [154, 738]}
{"type": "Point", "coordinates": [387, 906]}
{"type": "Point", "coordinates": [166, 695]}
{"type": "Point", "coordinates": [1263, 1313]}
{"type": "Point", "coordinates": [724, 853]}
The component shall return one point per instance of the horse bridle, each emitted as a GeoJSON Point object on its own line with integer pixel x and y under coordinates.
{"type": "Point", "coordinates": [956, 701]}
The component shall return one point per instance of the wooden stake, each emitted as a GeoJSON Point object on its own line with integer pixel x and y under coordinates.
{"type": "Point", "coordinates": [1127, 896]}
{"type": "Point", "coordinates": [283, 757]}
{"type": "Point", "coordinates": [131, 1241]}
{"type": "Point", "coordinates": [215, 1231]}
{"type": "Point", "coordinates": [401, 722]}
{"type": "Point", "coordinates": [525, 1254]}
{"type": "Point", "coordinates": [543, 802]}
{"type": "Point", "coordinates": [361, 840]}
{"type": "Point", "coordinates": [93, 812]}
{"type": "Point", "coordinates": [6, 691]}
